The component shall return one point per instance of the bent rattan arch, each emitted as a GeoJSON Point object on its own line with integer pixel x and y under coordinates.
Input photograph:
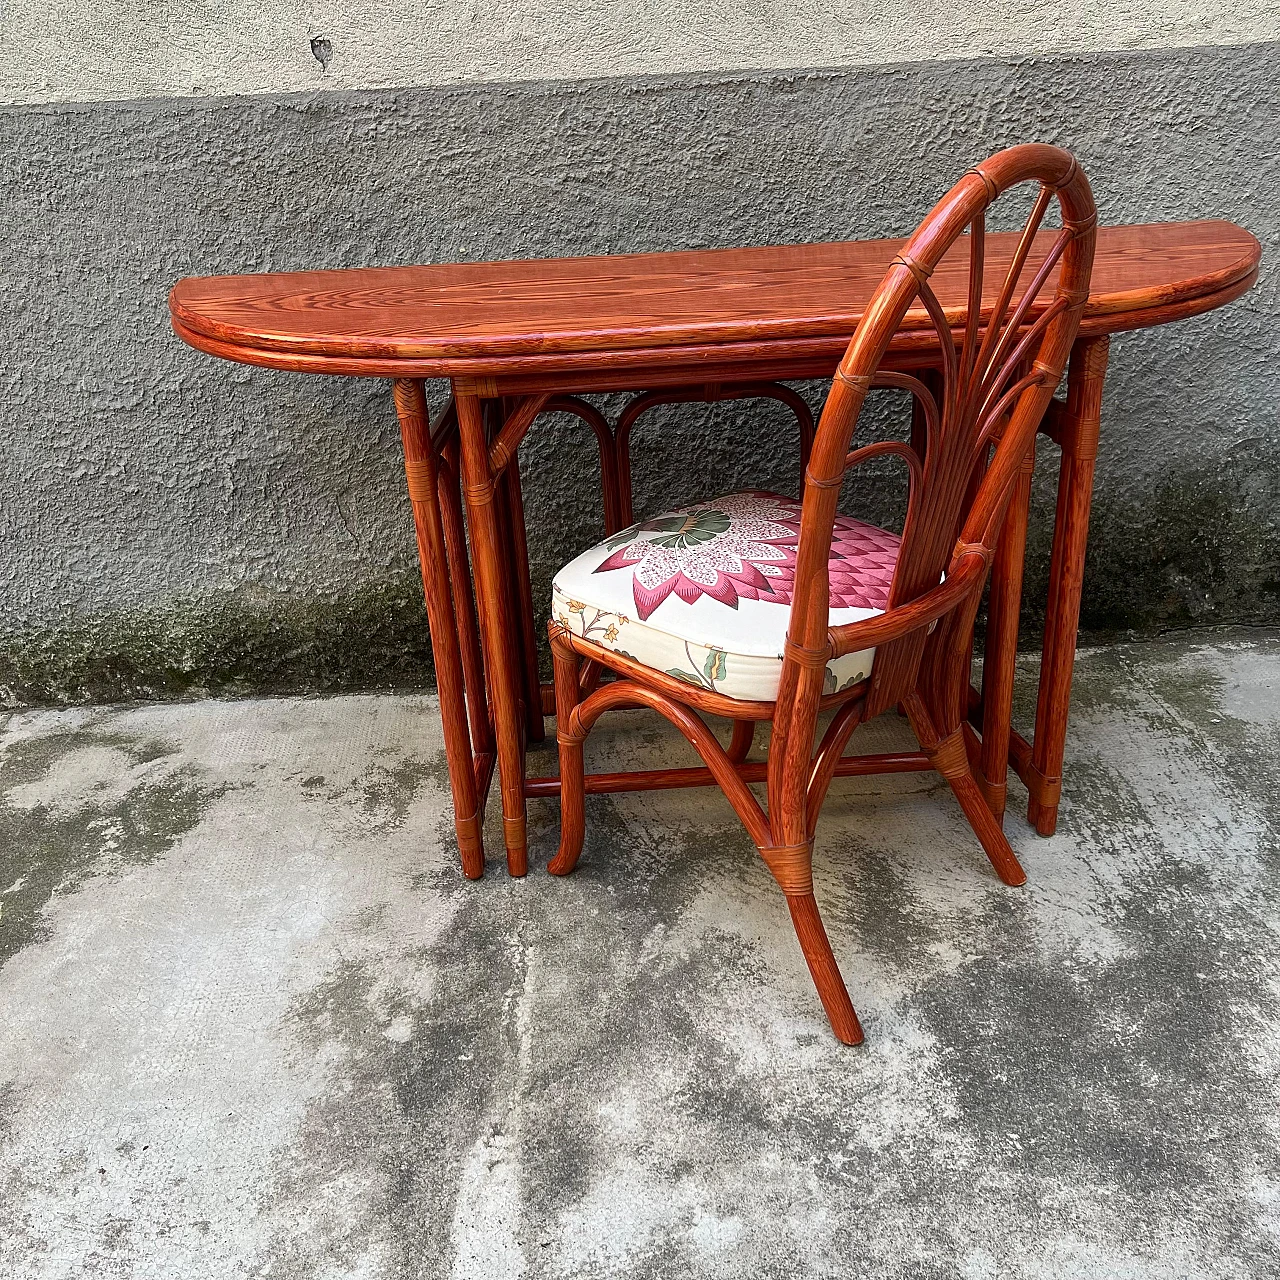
{"type": "Point", "coordinates": [1002, 357]}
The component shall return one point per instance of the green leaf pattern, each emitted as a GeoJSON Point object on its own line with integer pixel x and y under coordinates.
{"type": "Point", "coordinates": [679, 531]}
{"type": "Point", "coordinates": [714, 669]}
{"type": "Point", "coordinates": [605, 628]}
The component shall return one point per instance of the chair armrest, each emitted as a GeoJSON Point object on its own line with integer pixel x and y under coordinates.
{"type": "Point", "coordinates": [967, 570]}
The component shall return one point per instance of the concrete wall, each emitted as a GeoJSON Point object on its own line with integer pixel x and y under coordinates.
{"type": "Point", "coordinates": [115, 49]}
{"type": "Point", "coordinates": [169, 522]}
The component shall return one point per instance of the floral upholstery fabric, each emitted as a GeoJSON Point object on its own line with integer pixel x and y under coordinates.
{"type": "Point", "coordinates": [704, 593]}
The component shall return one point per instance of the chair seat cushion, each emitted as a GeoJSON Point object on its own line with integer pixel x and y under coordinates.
{"type": "Point", "coordinates": [704, 593]}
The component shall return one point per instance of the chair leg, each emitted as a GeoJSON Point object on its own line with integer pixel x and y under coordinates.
{"type": "Point", "coordinates": [744, 734]}
{"type": "Point", "coordinates": [985, 825]}
{"type": "Point", "coordinates": [573, 816]}
{"type": "Point", "coordinates": [949, 757]}
{"type": "Point", "coordinates": [823, 968]}
{"type": "Point", "coordinates": [792, 868]}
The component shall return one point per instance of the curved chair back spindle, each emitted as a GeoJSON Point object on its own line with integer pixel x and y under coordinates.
{"type": "Point", "coordinates": [999, 372]}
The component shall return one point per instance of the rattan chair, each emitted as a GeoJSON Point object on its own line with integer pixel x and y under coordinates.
{"type": "Point", "coordinates": [756, 607]}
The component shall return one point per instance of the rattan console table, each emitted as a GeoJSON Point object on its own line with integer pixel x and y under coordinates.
{"type": "Point", "coordinates": [519, 339]}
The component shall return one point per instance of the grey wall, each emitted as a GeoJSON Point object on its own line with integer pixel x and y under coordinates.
{"type": "Point", "coordinates": [169, 521]}
{"type": "Point", "coordinates": [113, 49]}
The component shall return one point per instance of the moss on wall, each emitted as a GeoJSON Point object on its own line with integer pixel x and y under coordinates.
{"type": "Point", "coordinates": [368, 638]}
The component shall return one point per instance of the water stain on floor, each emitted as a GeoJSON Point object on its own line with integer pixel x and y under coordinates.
{"type": "Point", "coordinates": [256, 1023]}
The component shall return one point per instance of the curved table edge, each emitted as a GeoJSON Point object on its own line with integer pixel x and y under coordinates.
{"type": "Point", "coordinates": [667, 365]}
{"type": "Point", "coordinates": [673, 338]}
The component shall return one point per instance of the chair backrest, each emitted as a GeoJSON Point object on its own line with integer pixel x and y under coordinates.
{"type": "Point", "coordinates": [1003, 353]}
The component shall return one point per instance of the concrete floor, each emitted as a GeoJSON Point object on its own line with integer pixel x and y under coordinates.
{"type": "Point", "coordinates": [255, 1023]}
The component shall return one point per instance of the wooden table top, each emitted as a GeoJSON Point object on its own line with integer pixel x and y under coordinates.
{"type": "Point", "coordinates": [631, 311]}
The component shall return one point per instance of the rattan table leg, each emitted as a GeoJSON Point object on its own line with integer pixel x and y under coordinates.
{"type": "Point", "coordinates": [1000, 651]}
{"type": "Point", "coordinates": [421, 472]}
{"type": "Point", "coordinates": [455, 541]}
{"type": "Point", "coordinates": [521, 597]}
{"type": "Point", "coordinates": [1078, 436]}
{"type": "Point", "coordinates": [498, 637]}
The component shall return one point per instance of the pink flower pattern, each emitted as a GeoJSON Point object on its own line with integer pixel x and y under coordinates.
{"type": "Point", "coordinates": [743, 547]}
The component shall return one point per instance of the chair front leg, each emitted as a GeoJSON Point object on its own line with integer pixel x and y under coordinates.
{"type": "Point", "coordinates": [570, 737]}
{"type": "Point", "coordinates": [790, 854]}
{"type": "Point", "coordinates": [792, 868]}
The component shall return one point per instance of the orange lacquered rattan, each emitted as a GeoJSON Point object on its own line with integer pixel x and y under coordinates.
{"type": "Point", "coordinates": [973, 436]}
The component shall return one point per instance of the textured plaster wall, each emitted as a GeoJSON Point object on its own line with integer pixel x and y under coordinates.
{"type": "Point", "coordinates": [169, 520]}
{"type": "Point", "coordinates": [75, 51]}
